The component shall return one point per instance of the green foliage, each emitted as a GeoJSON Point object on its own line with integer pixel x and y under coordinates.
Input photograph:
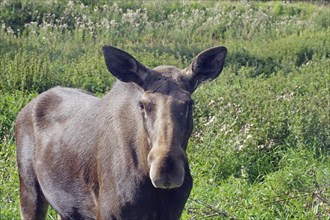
{"type": "Point", "coordinates": [260, 146]}
{"type": "Point", "coordinates": [256, 130]}
{"type": "Point", "coordinates": [10, 105]}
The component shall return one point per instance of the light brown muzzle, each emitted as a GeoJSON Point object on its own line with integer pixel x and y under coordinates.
{"type": "Point", "coordinates": [167, 167]}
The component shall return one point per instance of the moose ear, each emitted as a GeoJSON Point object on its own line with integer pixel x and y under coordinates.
{"type": "Point", "coordinates": [124, 66]}
{"type": "Point", "coordinates": [206, 66]}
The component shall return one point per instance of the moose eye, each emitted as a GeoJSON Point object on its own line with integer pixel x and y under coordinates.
{"type": "Point", "coordinates": [141, 105]}
{"type": "Point", "coordinates": [146, 106]}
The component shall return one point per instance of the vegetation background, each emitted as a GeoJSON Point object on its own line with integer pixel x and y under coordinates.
{"type": "Point", "coordinates": [261, 144]}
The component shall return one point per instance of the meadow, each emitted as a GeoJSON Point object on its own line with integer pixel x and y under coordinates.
{"type": "Point", "coordinates": [260, 148]}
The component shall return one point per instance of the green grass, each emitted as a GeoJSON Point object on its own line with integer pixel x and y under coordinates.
{"type": "Point", "coordinates": [261, 142]}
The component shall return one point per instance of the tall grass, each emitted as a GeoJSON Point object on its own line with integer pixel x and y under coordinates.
{"type": "Point", "coordinates": [260, 146]}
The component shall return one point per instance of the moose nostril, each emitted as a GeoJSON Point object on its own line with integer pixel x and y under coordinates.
{"type": "Point", "coordinates": [150, 158]}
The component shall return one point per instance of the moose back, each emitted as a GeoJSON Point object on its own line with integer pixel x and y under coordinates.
{"type": "Point", "coordinates": [119, 157]}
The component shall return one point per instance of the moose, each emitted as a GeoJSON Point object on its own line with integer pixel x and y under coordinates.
{"type": "Point", "coordinates": [122, 156]}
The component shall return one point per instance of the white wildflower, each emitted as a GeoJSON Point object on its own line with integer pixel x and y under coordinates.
{"type": "Point", "coordinates": [212, 119]}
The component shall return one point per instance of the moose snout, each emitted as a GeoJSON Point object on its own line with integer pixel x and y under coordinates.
{"type": "Point", "coordinates": [166, 171]}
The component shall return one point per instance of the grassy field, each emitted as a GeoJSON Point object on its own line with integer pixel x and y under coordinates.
{"type": "Point", "coordinates": [260, 148]}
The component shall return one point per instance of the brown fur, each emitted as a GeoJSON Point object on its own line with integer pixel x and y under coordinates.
{"type": "Point", "coordinates": [119, 157]}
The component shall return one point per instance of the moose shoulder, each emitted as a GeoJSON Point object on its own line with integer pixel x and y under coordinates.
{"type": "Point", "coordinates": [119, 157]}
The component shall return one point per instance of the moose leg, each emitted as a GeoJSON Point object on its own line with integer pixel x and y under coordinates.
{"type": "Point", "coordinates": [32, 201]}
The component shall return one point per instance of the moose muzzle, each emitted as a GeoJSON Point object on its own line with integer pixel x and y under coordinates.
{"type": "Point", "coordinates": [167, 167]}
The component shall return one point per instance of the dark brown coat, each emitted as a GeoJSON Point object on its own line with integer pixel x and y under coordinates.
{"type": "Point", "coordinates": [119, 157]}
